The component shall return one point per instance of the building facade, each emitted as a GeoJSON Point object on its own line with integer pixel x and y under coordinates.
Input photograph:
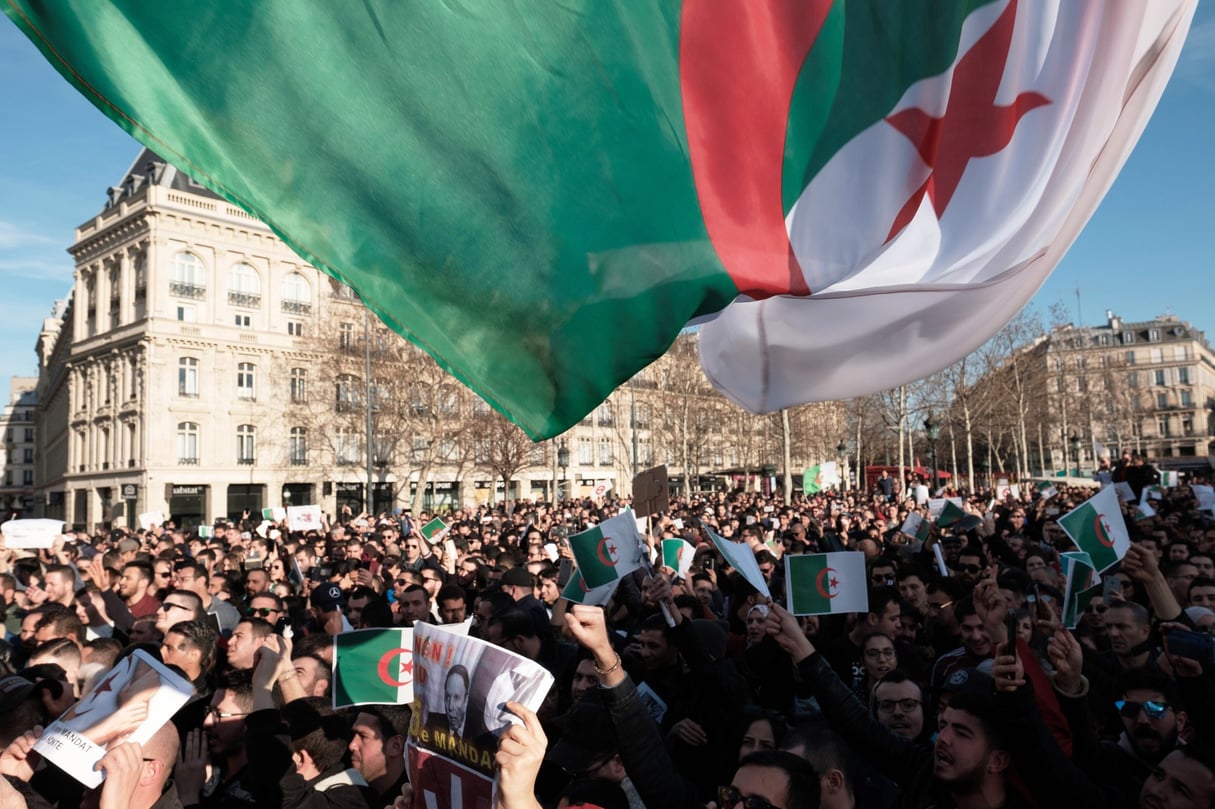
{"type": "Point", "coordinates": [200, 369]}
{"type": "Point", "coordinates": [17, 455]}
{"type": "Point", "coordinates": [1146, 386]}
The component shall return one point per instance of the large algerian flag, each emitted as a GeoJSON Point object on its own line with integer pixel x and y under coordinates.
{"type": "Point", "coordinates": [1097, 528]}
{"type": "Point", "coordinates": [1082, 585]}
{"type": "Point", "coordinates": [608, 551]}
{"type": "Point", "coordinates": [862, 192]}
{"type": "Point", "coordinates": [373, 666]}
{"type": "Point", "coordinates": [826, 583]}
{"type": "Point", "coordinates": [820, 477]}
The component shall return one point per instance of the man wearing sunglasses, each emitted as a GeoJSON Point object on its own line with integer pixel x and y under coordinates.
{"type": "Point", "coordinates": [1151, 722]}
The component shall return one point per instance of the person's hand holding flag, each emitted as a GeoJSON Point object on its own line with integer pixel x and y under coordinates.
{"type": "Point", "coordinates": [783, 626]}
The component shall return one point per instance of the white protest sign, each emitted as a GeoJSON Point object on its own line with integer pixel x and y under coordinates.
{"type": "Point", "coordinates": [304, 518]}
{"type": "Point", "coordinates": [37, 533]}
{"type": "Point", "coordinates": [150, 519]}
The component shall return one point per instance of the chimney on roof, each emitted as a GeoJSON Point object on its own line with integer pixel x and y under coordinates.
{"type": "Point", "coordinates": [1113, 319]}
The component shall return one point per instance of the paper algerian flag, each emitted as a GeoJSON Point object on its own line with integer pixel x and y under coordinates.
{"type": "Point", "coordinates": [826, 583]}
{"type": "Point", "coordinates": [1154, 492]}
{"type": "Point", "coordinates": [205, 532]}
{"type": "Point", "coordinates": [740, 557]}
{"type": "Point", "coordinates": [304, 518]}
{"type": "Point", "coordinates": [1097, 528]}
{"type": "Point", "coordinates": [1082, 585]}
{"type": "Point", "coordinates": [820, 477]}
{"type": "Point", "coordinates": [433, 530]}
{"type": "Point", "coordinates": [1047, 490]}
{"type": "Point", "coordinates": [950, 514]}
{"type": "Point", "coordinates": [1169, 479]}
{"type": "Point", "coordinates": [608, 551]}
{"type": "Point", "coordinates": [276, 514]}
{"type": "Point", "coordinates": [917, 527]}
{"type": "Point", "coordinates": [1124, 491]}
{"type": "Point", "coordinates": [373, 667]}
{"type": "Point", "coordinates": [576, 591]}
{"type": "Point", "coordinates": [677, 555]}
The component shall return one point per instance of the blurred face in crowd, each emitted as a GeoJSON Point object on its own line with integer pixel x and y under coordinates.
{"type": "Point", "coordinates": [1150, 722]}
{"type": "Point", "coordinates": [882, 575]}
{"type": "Point", "coordinates": [412, 549]}
{"type": "Point", "coordinates": [144, 631]}
{"type": "Point", "coordinates": [131, 584]}
{"type": "Point", "coordinates": [313, 675]}
{"type": "Point", "coordinates": [758, 736]}
{"type": "Point", "coordinates": [970, 568]}
{"type": "Point", "coordinates": [225, 734]}
{"type": "Point", "coordinates": [172, 610]}
{"type": "Point", "coordinates": [452, 610]}
{"type": "Point", "coordinates": [164, 575]}
{"type": "Point", "coordinates": [241, 646]}
{"type": "Point", "coordinates": [28, 630]}
{"type": "Point", "coordinates": [355, 607]}
{"type": "Point", "coordinates": [878, 657]}
{"type": "Point", "coordinates": [900, 707]}
{"type": "Point", "coordinates": [912, 590]}
{"type": "Point", "coordinates": [432, 582]}
{"type": "Point", "coordinates": [414, 607]}
{"type": "Point", "coordinates": [1179, 581]}
{"type": "Point", "coordinates": [368, 748]}
{"type": "Point", "coordinates": [888, 621]}
{"type": "Point", "coordinates": [1178, 783]}
{"type": "Point", "coordinates": [704, 592]}
{"type": "Point", "coordinates": [770, 784]}
{"type": "Point", "coordinates": [1204, 564]}
{"type": "Point", "coordinates": [1125, 632]}
{"type": "Point", "coordinates": [256, 581]}
{"type": "Point", "coordinates": [963, 755]}
{"type": "Point", "coordinates": [549, 591]}
{"type": "Point", "coordinates": [264, 607]}
{"type": "Point", "coordinates": [585, 678]}
{"type": "Point", "coordinates": [656, 653]}
{"type": "Point", "coordinates": [176, 650]}
{"type": "Point", "coordinates": [975, 637]}
{"type": "Point", "coordinates": [757, 618]}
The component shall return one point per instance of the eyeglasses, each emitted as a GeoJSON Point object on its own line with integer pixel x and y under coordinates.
{"type": "Point", "coordinates": [262, 611]}
{"type": "Point", "coordinates": [970, 568]}
{"type": "Point", "coordinates": [877, 654]}
{"type": "Point", "coordinates": [167, 606]}
{"type": "Point", "coordinates": [729, 796]}
{"type": "Point", "coordinates": [218, 715]}
{"type": "Point", "coordinates": [905, 705]}
{"type": "Point", "coordinates": [1153, 709]}
{"type": "Point", "coordinates": [165, 574]}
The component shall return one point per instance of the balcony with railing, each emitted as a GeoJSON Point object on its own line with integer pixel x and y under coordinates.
{"type": "Point", "coordinates": [187, 461]}
{"type": "Point", "coordinates": [247, 300]}
{"type": "Point", "coordinates": [182, 289]}
{"type": "Point", "coordinates": [297, 307]}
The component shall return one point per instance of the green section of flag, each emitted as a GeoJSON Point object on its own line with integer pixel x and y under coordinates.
{"type": "Point", "coordinates": [677, 555]}
{"type": "Point", "coordinates": [826, 583]}
{"type": "Point", "coordinates": [820, 477]}
{"type": "Point", "coordinates": [924, 531]}
{"type": "Point", "coordinates": [363, 658]}
{"type": "Point", "coordinates": [1097, 528]}
{"type": "Point", "coordinates": [950, 515]}
{"type": "Point", "coordinates": [433, 529]}
{"type": "Point", "coordinates": [576, 591]}
{"type": "Point", "coordinates": [1082, 585]}
{"type": "Point", "coordinates": [385, 144]}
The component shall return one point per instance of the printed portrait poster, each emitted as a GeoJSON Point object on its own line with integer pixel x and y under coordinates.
{"type": "Point", "coordinates": [461, 685]}
{"type": "Point", "coordinates": [134, 701]}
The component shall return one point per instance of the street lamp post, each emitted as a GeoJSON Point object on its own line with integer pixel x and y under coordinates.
{"type": "Point", "coordinates": [842, 451]}
{"type": "Point", "coordinates": [1076, 443]}
{"type": "Point", "coordinates": [934, 430]}
{"type": "Point", "coordinates": [563, 460]}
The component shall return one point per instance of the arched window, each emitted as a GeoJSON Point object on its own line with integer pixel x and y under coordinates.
{"type": "Point", "coordinates": [297, 295]}
{"type": "Point", "coordinates": [246, 444]}
{"type": "Point", "coordinates": [187, 443]}
{"type": "Point", "coordinates": [244, 287]}
{"type": "Point", "coordinates": [187, 277]}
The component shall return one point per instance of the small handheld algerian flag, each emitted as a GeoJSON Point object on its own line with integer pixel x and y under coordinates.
{"type": "Point", "coordinates": [576, 592]}
{"type": "Point", "coordinates": [1082, 585]}
{"type": "Point", "coordinates": [1125, 493]}
{"type": "Point", "coordinates": [274, 514]}
{"type": "Point", "coordinates": [433, 530]}
{"type": "Point", "coordinates": [205, 532]}
{"type": "Point", "coordinates": [1169, 479]}
{"type": "Point", "coordinates": [373, 667]}
{"type": "Point", "coordinates": [1047, 490]}
{"type": "Point", "coordinates": [677, 555]}
{"type": "Point", "coordinates": [951, 513]}
{"type": "Point", "coordinates": [608, 551]}
{"type": "Point", "coordinates": [917, 527]}
{"type": "Point", "coordinates": [740, 557]}
{"type": "Point", "coordinates": [1144, 510]}
{"type": "Point", "coordinates": [817, 478]}
{"type": "Point", "coordinates": [826, 583]}
{"type": "Point", "coordinates": [304, 518]}
{"type": "Point", "coordinates": [1097, 528]}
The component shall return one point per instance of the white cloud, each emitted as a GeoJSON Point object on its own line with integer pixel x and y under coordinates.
{"type": "Point", "coordinates": [14, 237]}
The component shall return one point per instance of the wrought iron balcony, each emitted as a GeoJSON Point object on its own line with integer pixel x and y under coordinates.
{"type": "Point", "coordinates": [297, 307]}
{"type": "Point", "coordinates": [245, 299]}
{"type": "Point", "coordinates": [183, 290]}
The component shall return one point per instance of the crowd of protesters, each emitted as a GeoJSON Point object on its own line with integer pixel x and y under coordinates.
{"type": "Point", "coordinates": [680, 692]}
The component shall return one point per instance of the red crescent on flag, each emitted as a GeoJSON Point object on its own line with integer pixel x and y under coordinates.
{"type": "Point", "coordinates": [382, 667]}
{"type": "Point", "coordinates": [1102, 532]}
{"type": "Point", "coordinates": [825, 592]}
{"type": "Point", "coordinates": [604, 556]}
{"type": "Point", "coordinates": [738, 68]}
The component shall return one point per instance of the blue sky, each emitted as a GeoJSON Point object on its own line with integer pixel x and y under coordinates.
{"type": "Point", "coordinates": [1147, 251]}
